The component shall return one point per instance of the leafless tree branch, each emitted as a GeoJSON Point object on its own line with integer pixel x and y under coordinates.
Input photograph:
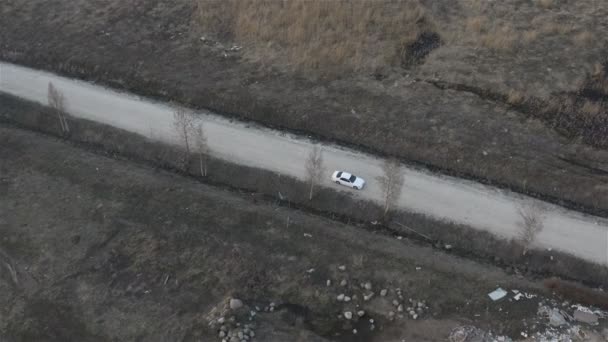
{"type": "Point", "coordinates": [183, 122]}
{"type": "Point", "coordinates": [56, 101]}
{"type": "Point", "coordinates": [391, 183]}
{"type": "Point", "coordinates": [202, 149]}
{"type": "Point", "coordinates": [531, 224]}
{"type": "Point", "coordinates": [314, 169]}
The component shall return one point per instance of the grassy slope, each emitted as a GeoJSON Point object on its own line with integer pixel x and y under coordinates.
{"type": "Point", "coordinates": [369, 100]}
{"type": "Point", "coordinates": [93, 240]}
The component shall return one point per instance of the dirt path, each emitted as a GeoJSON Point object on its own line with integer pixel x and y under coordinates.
{"type": "Point", "coordinates": [446, 198]}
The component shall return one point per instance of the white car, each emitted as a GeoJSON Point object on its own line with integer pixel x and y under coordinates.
{"type": "Point", "coordinates": [347, 179]}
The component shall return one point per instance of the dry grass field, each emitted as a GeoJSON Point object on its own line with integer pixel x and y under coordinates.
{"type": "Point", "coordinates": [508, 92]}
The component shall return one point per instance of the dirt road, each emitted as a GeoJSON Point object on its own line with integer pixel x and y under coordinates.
{"type": "Point", "coordinates": [442, 197]}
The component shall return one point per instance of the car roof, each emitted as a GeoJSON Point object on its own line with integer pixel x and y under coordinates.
{"type": "Point", "coordinates": [345, 175]}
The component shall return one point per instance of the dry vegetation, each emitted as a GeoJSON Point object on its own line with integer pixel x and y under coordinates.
{"type": "Point", "coordinates": [318, 34]}
{"type": "Point", "coordinates": [531, 224]}
{"type": "Point", "coordinates": [314, 169]}
{"type": "Point", "coordinates": [56, 101]}
{"type": "Point", "coordinates": [391, 184]}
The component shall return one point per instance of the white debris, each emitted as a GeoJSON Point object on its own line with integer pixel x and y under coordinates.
{"type": "Point", "coordinates": [235, 304]}
{"type": "Point", "coordinates": [585, 317]}
{"type": "Point", "coordinates": [497, 294]}
{"type": "Point", "coordinates": [348, 315]}
{"type": "Point", "coordinates": [342, 268]}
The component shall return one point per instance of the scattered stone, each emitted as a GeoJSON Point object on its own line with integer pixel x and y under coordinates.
{"type": "Point", "coordinates": [340, 297]}
{"type": "Point", "coordinates": [348, 315]}
{"type": "Point", "coordinates": [383, 292]}
{"type": "Point", "coordinates": [368, 296]}
{"type": "Point", "coordinates": [342, 268]}
{"type": "Point", "coordinates": [395, 302]}
{"type": "Point", "coordinates": [368, 286]}
{"type": "Point", "coordinates": [328, 282]}
{"type": "Point", "coordinates": [347, 298]}
{"type": "Point", "coordinates": [310, 270]}
{"type": "Point", "coordinates": [221, 320]}
{"type": "Point", "coordinates": [391, 315]}
{"type": "Point", "coordinates": [466, 333]}
{"type": "Point", "coordinates": [585, 317]}
{"type": "Point", "coordinates": [355, 331]}
{"type": "Point", "coordinates": [556, 319]}
{"type": "Point", "coordinates": [412, 312]}
{"type": "Point", "coordinates": [222, 334]}
{"type": "Point", "coordinates": [400, 308]}
{"type": "Point", "coordinates": [414, 316]}
{"type": "Point", "coordinates": [235, 304]}
{"type": "Point", "coordinates": [360, 313]}
{"type": "Point", "coordinates": [343, 282]}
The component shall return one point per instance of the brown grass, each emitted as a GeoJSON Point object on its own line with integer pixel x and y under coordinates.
{"type": "Point", "coordinates": [545, 3]}
{"type": "Point", "coordinates": [476, 24]}
{"type": "Point", "coordinates": [591, 108]}
{"type": "Point", "coordinates": [577, 293]}
{"type": "Point", "coordinates": [598, 70]}
{"type": "Point", "coordinates": [500, 38]}
{"type": "Point", "coordinates": [318, 33]}
{"type": "Point", "coordinates": [515, 97]}
{"type": "Point", "coordinates": [552, 27]}
{"type": "Point", "coordinates": [530, 36]}
{"type": "Point", "coordinates": [584, 38]}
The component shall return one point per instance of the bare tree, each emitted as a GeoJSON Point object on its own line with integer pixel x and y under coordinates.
{"type": "Point", "coordinates": [531, 224]}
{"type": "Point", "coordinates": [314, 169]}
{"type": "Point", "coordinates": [183, 123]}
{"type": "Point", "coordinates": [202, 149]}
{"type": "Point", "coordinates": [391, 183]}
{"type": "Point", "coordinates": [56, 101]}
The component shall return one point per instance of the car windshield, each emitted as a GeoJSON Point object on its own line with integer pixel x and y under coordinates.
{"type": "Point", "coordinates": [339, 174]}
{"type": "Point", "coordinates": [352, 179]}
